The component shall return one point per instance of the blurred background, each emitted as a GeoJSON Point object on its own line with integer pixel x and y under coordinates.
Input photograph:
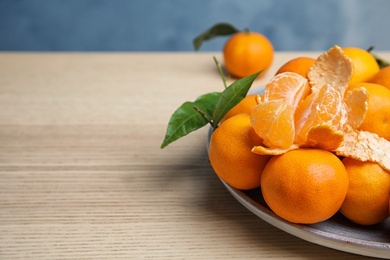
{"type": "Point", "coordinates": [171, 25]}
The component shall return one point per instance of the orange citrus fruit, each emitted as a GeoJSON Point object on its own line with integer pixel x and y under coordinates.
{"type": "Point", "coordinates": [246, 53]}
{"type": "Point", "coordinates": [300, 65]}
{"type": "Point", "coordinates": [319, 108]}
{"type": "Point", "coordinates": [244, 106]}
{"type": "Point", "coordinates": [304, 186]}
{"type": "Point", "coordinates": [230, 153]}
{"type": "Point", "coordinates": [367, 200]}
{"type": "Point", "coordinates": [289, 86]}
{"type": "Point", "coordinates": [273, 121]}
{"type": "Point", "coordinates": [382, 77]}
{"type": "Point", "coordinates": [363, 63]}
{"type": "Point", "coordinates": [377, 119]}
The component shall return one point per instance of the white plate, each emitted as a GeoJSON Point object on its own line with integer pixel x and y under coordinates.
{"type": "Point", "coordinates": [337, 232]}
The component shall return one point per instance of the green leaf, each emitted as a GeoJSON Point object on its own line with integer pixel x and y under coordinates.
{"type": "Point", "coordinates": [231, 96]}
{"type": "Point", "coordinates": [186, 119]}
{"type": "Point", "coordinates": [219, 29]}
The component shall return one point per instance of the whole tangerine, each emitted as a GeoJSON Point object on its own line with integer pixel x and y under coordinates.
{"type": "Point", "coordinates": [304, 186]}
{"type": "Point", "coordinates": [367, 200]}
{"type": "Point", "coordinates": [363, 62]}
{"type": "Point", "coordinates": [246, 53]}
{"type": "Point", "coordinates": [230, 153]}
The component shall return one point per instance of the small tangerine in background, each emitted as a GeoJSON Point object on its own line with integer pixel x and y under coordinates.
{"type": "Point", "coordinates": [300, 65]}
{"type": "Point", "coordinates": [246, 53]}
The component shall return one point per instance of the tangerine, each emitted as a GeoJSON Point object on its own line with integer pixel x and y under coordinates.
{"type": "Point", "coordinates": [319, 108]}
{"type": "Point", "coordinates": [367, 200]}
{"type": "Point", "coordinates": [304, 186]}
{"type": "Point", "coordinates": [230, 153]}
{"type": "Point", "coordinates": [244, 106]}
{"type": "Point", "coordinates": [246, 53]}
{"type": "Point", "coordinates": [377, 119]}
{"type": "Point", "coordinates": [382, 77]}
{"type": "Point", "coordinates": [273, 121]}
{"type": "Point", "coordinates": [300, 65]}
{"type": "Point", "coordinates": [363, 62]}
{"type": "Point", "coordinates": [289, 86]}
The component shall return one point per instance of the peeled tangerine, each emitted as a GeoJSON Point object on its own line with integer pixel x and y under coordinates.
{"type": "Point", "coordinates": [318, 113]}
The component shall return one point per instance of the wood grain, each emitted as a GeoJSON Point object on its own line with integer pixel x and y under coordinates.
{"type": "Point", "coordinates": [83, 177]}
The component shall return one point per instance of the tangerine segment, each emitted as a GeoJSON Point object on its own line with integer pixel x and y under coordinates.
{"type": "Point", "coordinates": [322, 107]}
{"type": "Point", "coordinates": [332, 67]}
{"type": "Point", "coordinates": [365, 146]}
{"type": "Point", "coordinates": [273, 121]}
{"type": "Point", "coordinates": [289, 86]}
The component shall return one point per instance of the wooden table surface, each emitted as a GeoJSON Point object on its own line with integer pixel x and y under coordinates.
{"type": "Point", "coordinates": [82, 175]}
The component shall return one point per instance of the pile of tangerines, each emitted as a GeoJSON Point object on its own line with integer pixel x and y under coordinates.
{"type": "Point", "coordinates": [316, 141]}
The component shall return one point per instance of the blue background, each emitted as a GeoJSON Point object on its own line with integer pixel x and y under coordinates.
{"type": "Point", "coordinates": [171, 25]}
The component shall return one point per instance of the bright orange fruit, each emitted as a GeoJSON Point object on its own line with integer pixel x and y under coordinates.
{"type": "Point", "coordinates": [367, 200]}
{"type": "Point", "coordinates": [377, 119]}
{"type": "Point", "coordinates": [230, 153]}
{"type": "Point", "coordinates": [300, 65]}
{"type": "Point", "coordinates": [324, 107]}
{"type": "Point", "coordinates": [288, 86]}
{"type": "Point", "coordinates": [246, 53]}
{"type": "Point", "coordinates": [273, 121]}
{"type": "Point", "coordinates": [382, 77]}
{"type": "Point", "coordinates": [305, 185]}
{"type": "Point", "coordinates": [244, 106]}
{"type": "Point", "coordinates": [364, 64]}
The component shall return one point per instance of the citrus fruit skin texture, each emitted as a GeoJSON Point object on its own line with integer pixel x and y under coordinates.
{"type": "Point", "coordinates": [304, 186]}
{"type": "Point", "coordinates": [363, 62]}
{"type": "Point", "coordinates": [300, 65]}
{"type": "Point", "coordinates": [244, 106]}
{"type": "Point", "coordinates": [367, 200]}
{"type": "Point", "coordinates": [382, 77]}
{"type": "Point", "coordinates": [230, 153]}
{"type": "Point", "coordinates": [246, 53]}
{"type": "Point", "coordinates": [377, 119]}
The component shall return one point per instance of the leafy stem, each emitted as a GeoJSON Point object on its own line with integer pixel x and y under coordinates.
{"type": "Point", "coordinates": [209, 108]}
{"type": "Point", "coordinates": [203, 114]}
{"type": "Point", "coordinates": [219, 67]}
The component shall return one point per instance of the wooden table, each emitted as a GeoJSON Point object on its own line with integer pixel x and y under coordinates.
{"type": "Point", "coordinates": [82, 175]}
